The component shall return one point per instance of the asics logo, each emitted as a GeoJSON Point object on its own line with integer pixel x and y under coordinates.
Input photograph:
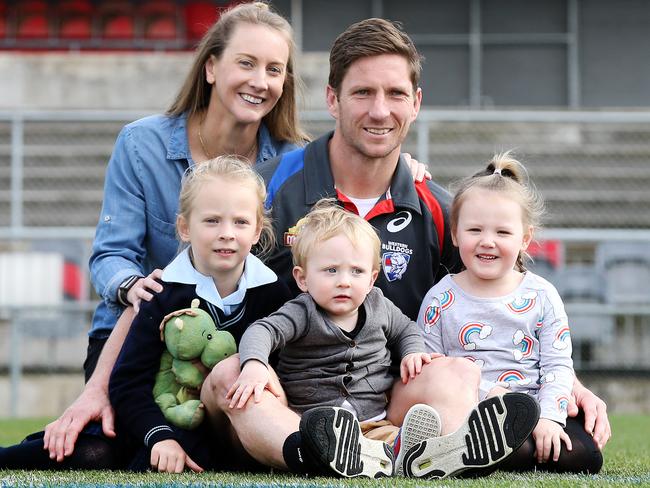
{"type": "Point", "coordinates": [401, 220]}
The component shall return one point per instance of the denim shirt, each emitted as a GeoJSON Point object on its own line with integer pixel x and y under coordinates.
{"type": "Point", "coordinates": [136, 232]}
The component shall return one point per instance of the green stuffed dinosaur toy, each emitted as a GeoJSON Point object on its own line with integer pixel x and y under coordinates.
{"type": "Point", "coordinates": [194, 346]}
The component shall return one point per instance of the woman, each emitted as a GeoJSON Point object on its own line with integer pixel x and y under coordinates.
{"type": "Point", "coordinates": [239, 97]}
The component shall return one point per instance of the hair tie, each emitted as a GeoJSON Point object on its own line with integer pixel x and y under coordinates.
{"type": "Point", "coordinates": [497, 171]}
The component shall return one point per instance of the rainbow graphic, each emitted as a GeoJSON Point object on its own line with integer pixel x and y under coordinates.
{"type": "Point", "coordinates": [563, 334]}
{"type": "Point", "coordinates": [478, 362]}
{"type": "Point", "coordinates": [562, 338]}
{"type": "Point", "coordinates": [540, 321]}
{"type": "Point", "coordinates": [562, 403]}
{"type": "Point", "coordinates": [431, 315]}
{"type": "Point", "coordinates": [512, 376]}
{"type": "Point", "coordinates": [525, 348]}
{"type": "Point", "coordinates": [447, 299]}
{"type": "Point", "coordinates": [521, 304]}
{"type": "Point", "coordinates": [465, 333]}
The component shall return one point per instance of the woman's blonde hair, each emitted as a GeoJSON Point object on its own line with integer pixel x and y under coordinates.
{"type": "Point", "coordinates": [194, 95]}
{"type": "Point", "coordinates": [234, 169]}
{"type": "Point", "coordinates": [326, 220]}
{"type": "Point", "coordinates": [507, 176]}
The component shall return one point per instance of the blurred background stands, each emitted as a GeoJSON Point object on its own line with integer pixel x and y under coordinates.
{"type": "Point", "coordinates": [565, 83]}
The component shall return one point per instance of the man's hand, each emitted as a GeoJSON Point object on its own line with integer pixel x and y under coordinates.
{"type": "Point", "coordinates": [549, 434]}
{"type": "Point", "coordinates": [252, 380]}
{"type": "Point", "coordinates": [140, 291]}
{"type": "Point", "coordinates": [418, 170]}
{"type": "Point", "coordinates": [61, 434]}
{"type": "Point", "coordinates": [596, 420]}
{"type": "Point", "coordinates": [169, 457]}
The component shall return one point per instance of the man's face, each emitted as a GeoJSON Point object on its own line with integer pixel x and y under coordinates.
{"type": "Point", "coordinates": [375, 105]}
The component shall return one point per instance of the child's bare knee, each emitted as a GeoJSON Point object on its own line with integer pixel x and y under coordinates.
{"type": "Point", "coordinates": [456, 372]}
{"type": "Point", "coordinates": [466, 370]}
{"type": "Point", "coordinates": [219, 381]}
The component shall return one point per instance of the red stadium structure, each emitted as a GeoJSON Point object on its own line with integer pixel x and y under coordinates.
{"type": "Point", "coordinates": [106, 24]}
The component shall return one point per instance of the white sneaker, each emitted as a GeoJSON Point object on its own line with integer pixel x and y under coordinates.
{"type": "Point", "coordinates": [493, 431]}
{"type": "Point", "coordinates": [421, 422]}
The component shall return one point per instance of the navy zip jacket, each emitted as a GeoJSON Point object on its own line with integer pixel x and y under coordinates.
{"type": "Point", "coordinates": [412, 220]}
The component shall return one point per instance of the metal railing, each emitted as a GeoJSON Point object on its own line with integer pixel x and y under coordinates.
{"type": "Point", "coordinates": [453, 142]}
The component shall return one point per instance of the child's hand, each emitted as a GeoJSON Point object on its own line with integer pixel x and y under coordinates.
{"type": "Point", "coordinates": [411, 365]}
{"type": "Point", "coordinates": [548, 434]}
{"type": "Point", "coordinates": [252, 380]}
{"type": "Point", "coordinates": [169, 457]}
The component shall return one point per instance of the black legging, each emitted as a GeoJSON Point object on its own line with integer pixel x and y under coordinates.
{"type": "Point", "coordinates": [90, 452]}
{"type": "Point", "coordinates": [585, 457]}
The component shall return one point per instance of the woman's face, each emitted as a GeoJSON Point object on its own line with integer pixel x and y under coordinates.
{"type": "Point", "coordinates": [248, 78]}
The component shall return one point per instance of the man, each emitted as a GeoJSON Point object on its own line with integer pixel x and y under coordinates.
{"type": "Point", "coordinates": [373, 94]}
{"type": "Point", "coordinates": [360, 164]}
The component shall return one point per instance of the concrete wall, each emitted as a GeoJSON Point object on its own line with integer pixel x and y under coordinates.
{"type": "Point", "coordinates": [90, 81]}
{"type": "Point", "coordinates": [133, 81]}
{"type": "Point", "coordinates": [41, 395]}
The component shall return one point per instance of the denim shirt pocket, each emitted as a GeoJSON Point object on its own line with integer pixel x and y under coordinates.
{"type": "Point", "coordinates": [162, 242]}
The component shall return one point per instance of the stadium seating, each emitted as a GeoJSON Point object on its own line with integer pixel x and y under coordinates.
{"type": "Point", "coordinates": [106, 24]}
{"type": "Point", "coordinates": [547, 257]}
{"type": "Point", "coordinates": [626, 267]}
{"type": "Point", "coordinates": [159, 19]}
{"type": "Point", "coordinates": [75, 19]}
{"type": "Point", "coordinates": [31, 19]}
{"type": "Point", "coordinates": [3, 19]}
{"type": "Point", "coordinates": [116, 20]}
{"type": "Point", "coordinates": [581, 283]}
{"type": "Point", "coordinates": [199, 15]}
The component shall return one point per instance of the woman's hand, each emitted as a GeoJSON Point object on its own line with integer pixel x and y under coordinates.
{"type": "Point", "coordinates": [140, 291]}
{"type": "Point", "coordinates": [62, 433]}
{"type": "Point", "coordinates": [418, 170]}
{"type": "Point", "coordinates": [595, 409]}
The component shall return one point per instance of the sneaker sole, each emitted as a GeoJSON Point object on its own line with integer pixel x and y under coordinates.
{"type": "Point", "coordinates": [334, 437]}
{"type": "Point", "coordinates": [420, 423]}
{"type": "Point", "coordinates": [493, 431]}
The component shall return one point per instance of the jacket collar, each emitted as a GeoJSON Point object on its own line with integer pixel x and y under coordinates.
{"type": "Point", "coordinates": [319, 181]}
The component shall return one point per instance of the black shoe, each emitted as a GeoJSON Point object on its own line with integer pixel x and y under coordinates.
{"type": "Point", "coordinates": [494, 430]}
{"type": "Point", "coordinates": [334, 439]}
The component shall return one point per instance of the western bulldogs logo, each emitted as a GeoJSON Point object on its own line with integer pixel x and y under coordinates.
{"type": "Point", "coordinates": [394, 264]}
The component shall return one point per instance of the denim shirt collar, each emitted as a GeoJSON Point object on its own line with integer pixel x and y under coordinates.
{"type": "Point", "coordinates": [178, 144]}
{"type": "Point", "coordinates": [255, 274]}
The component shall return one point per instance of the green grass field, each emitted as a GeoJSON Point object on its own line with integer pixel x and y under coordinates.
{"type": "Point", "coordinates": [627, 463]}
